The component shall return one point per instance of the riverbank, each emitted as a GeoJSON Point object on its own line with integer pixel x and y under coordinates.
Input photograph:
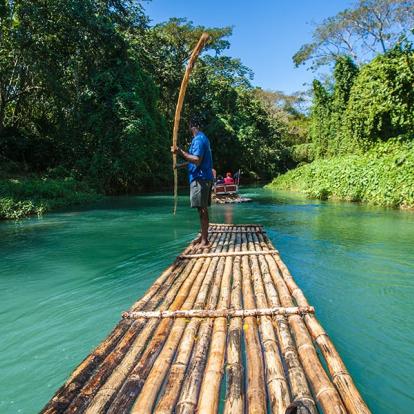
{"type": "Point", "coordinates": [383, 176]}
{"type": "Point", "coordinates": [30, 196]}
{"type": "Point", "coordinates": [21, 197]}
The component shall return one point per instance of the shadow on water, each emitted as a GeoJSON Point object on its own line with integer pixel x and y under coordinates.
{"type": "Point", "coordinates": [65, 279]}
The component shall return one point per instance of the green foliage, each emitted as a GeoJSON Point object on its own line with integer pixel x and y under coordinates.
{"type": "Point", "coordinates": [77, 96]}
{"type": "Point", "coordinates": [12, 209]}
{"type": "Point", "coordinates": [164, 50]}
{"type": "Point", "coordinates": [88, 90]}
{"type": "Point", "coordinates": [303, 153]}
{"type": "Point", "coordinates": [262, 151]}
{"type": "Point", "coordinates": [320, 128]}
{"type": "Point", "coordinates": [328, 110]}
{"type": "Point", "coordinates": [345, 72]}
{"type": "Point", "coordinates": [366, 105]}
{"type": "Point", "coordinates": [381, 104]}
{"type": "Point", "coordinates": [383, 176]}
{"type": "Point", "coordinates": [243, 130]}
{"type": "Point", "coordinates": [23, 197]}
{"type": "Point", "coordinates": [353, 125]}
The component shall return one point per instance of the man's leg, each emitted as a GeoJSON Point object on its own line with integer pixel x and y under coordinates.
{"type": "Point", "coordinates": [204, 221]}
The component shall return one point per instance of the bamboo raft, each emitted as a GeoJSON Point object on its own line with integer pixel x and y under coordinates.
{"type": "Point", "coordinates": [229, 199]}
{"type": "Point", "coordinates": [223, 328]}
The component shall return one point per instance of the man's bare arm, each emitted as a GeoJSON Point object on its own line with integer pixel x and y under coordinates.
{"type": "Point", "coordinates": [188, 157]}
{"type": "Point", "coordinates": [181, 165]}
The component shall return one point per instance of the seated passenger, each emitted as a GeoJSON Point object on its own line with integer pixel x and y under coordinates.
{"type": "Point", "coordinates": [228, 179]}
{"type": "Point", "coordinates": [220, 180]}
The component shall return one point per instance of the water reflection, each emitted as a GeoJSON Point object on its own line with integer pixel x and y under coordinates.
{"type": "Point", "coordinates": [228, 214]}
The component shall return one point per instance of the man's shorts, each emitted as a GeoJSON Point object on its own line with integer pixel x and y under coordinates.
{"type": "Point", "coordinates": [200, 193]}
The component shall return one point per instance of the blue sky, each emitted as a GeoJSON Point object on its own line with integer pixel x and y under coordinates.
{"type": "Point", "coordinates": [266, 33]}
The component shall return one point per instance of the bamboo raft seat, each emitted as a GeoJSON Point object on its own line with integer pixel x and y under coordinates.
{"type": "Point", "coordinates": [223, 328]}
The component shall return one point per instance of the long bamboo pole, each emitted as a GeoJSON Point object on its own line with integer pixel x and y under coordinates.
{"type": "Point", "coordinates": [226, 254]}
{"type": "Point", "coordinates": [220, 313]}
{"type": "Point", "coordinates": [187, 401]}
{"type": "Point", "coordinates": [120, 371]}
{"type": "Point", "coordinates": [210, 387]}
{"type": "Point", "coordinates": [255, 389]}
{"type": "Point", "coordinates": [234, 403]}
{"type": "Point", "coordinates": [340, 375]}
{"type": "Point", "coordinates": [297, 378]}
{"type": "Point", "coordinates": [133, 385]}
{"type": "Point", "coordinates": [146, 399]}
{"type": "Point", "coordinates": [226, 226]}
{"type": "Point", "coordinates": [277, 386]}
{"type": "Point", "coordinates": [201, 43]}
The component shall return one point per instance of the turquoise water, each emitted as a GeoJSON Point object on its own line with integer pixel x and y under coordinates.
{"type": "Point", "coordinates": [66, 278]}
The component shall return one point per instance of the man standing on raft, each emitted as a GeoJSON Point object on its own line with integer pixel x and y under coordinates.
{"type": "Point", "coordinates": [200, 164]}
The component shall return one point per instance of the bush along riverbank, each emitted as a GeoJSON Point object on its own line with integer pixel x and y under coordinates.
{"type": "Point", "coordinates": [384, 176]}
{"type": "Point", "coordinates": [30, 196]}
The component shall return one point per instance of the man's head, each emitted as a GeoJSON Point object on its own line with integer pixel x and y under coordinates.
{"type": "Point", "coordinates": [228, 174]}
{"type": "Point", "coordinates": [195, 125]}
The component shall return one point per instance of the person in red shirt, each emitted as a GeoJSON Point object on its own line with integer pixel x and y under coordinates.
{"type": "Point", "coordinates": [228, 179]}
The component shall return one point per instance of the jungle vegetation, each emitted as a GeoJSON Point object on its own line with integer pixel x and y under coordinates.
{"type": "Point", "coordinates": [360, 142]}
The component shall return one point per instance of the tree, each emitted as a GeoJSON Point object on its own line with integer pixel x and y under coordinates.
{"type": "Point", "coordinates": [290, 112]}
{"type": "Point", "coordinates": [89, 86]}
{"type": "Point", "coordinates": [345, 73]}
{"type": "Point", "coordinates": [320, 130]}
{"type": "Point", "coordinates": [370, 27]}
{"type": "Point", "coordinates": [164, 51]}
{"type": "Point", "coordinates": [73, 94]}
{"type": "Point", "coordinates": [381, 105]}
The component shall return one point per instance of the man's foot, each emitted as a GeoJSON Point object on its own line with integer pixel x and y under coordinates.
{"type": "Point", "coordinates": [204, 243]}
{"type": "Point", "coordinates": [197, 240]}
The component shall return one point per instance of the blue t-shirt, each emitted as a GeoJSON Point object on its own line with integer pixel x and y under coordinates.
{"type": "Point", "coordinates": [200, 147]}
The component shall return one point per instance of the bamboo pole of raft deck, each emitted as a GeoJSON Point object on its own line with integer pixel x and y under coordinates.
{"type": "Point", "coordinates": [75, 382]}
{"type": "Point", "coordinates": [256, 391]}
{"type": "Point", "coordinates": [146, 399]}
{"type": "Point", "coordinates": [340, 375]}
{"type": "Point", "coordinates": [234, 368]}
{"type": "Point", "coordinates": [178, 369]}
{"type": "Point", "coordinates": [188, 398]}
{"type": "Point", "coordinates": [210, 388]}
{"type": "Point", "coordinates": [237, 230]}
{"type": "Point", "coordinates": [136, 379]}
{"type": "Point", "coordinates": [239, 226]}
{"type": "Point", "coordinates": [201, 43]}
{"type": "Point", "coordinates": [277, 386]}
{"type": "Point", "coordinates": [225, 254]}
{"type": "Point", "coordinates": [120, 372]}
{"type": "Point", "coordinates": [221, 313]}
{"type": "Point", "coordinates": [324, 391]}
{"type": "Point", "coordinates": [297, 378]}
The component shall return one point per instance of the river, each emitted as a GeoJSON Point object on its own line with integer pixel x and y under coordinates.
{"type": "Point", "coordinates": [65, 279]}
